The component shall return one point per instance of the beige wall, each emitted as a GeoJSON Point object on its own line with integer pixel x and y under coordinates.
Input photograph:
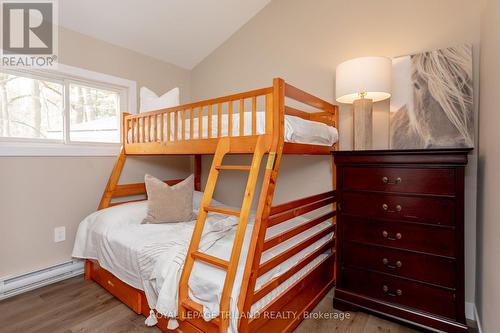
{"type": "Point", "coordinates": [488, 272]}
{"type": "Point", "coordinates": [40, 193]}
{"type": "Point", "coordinates": [303, 41]}
{"type": "Point", "coordinates": [89, 53]}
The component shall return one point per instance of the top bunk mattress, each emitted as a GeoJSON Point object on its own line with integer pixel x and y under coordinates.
{"type": "Point", "coordinates": [297, 130]}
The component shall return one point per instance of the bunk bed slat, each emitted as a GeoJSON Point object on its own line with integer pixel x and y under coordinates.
{"type": "Point", "coordinates": [277, 219]}
{"type": "Point", "coordinates": [111, 204]}
{"type": "Point", "coordinates": [242, 117]}
{"type": "Point", "coordinates": [138, 129]}
{"type": "Point", "coordinates": [233, 167]}
{"type": "Point", "coordinates": [209, 111]}
{"type": "Point", "coordinates": [169, 126]}
{"type": "Point", "coordinates": [176, 126]}
{"type": "Point", "coordinates": [275, 282]}
{"type": "Point", "coordinates": [306, 98]}
{"type": "Point", "coordinates": [192, 305]}
{"type": "Point", "coordinates": [162, 125]}
{"type": "Point", "coordinates": [224, 264]}
{"type": "Point", "coordinates": [137, 188]}
{"type": "Point", "coordinates": [280, 258]}
{"type": "Point", "coordinates": [272, 242]}
{"type": "Point", "coordinates": [254, 115]}
{"type": "Point", "coordinates": [225, 211]}
{"type": "Point", "coordinates": [125, 127]}
{"type": "Point", "coordinates": [301, 149]}
{"type": "Point", "coordinates": [300, 202]}
{"type": "Point", "coordinates": [230, 118]}
{"type": "Point", "coordinates": [155, 128]}
{"type": "Point", "coordinates": [269, 113]}
{"type": "Point", "coordinates": [200, 122]}
{"type": "Point", "coordinates": [143, 126]}
{"type": "Point", "coordinates": [132, 131]}
{"type": "Point", "coordinates": [183, 124]}
{"type": "Point", "coordinates": [297, 113]}
{"type": "Point", "coordinates": [191, 123]}
{"type": "Point", "coordinates": [149, 128]}
{"type": "Point", "coordinates": [219, 120]}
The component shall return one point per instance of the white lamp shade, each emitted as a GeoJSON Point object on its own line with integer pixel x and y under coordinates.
{"type": "Point", "coordinates": [368, 75]}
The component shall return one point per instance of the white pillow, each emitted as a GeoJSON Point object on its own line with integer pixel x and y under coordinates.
{"type": "Point", "coordinates": [150, 101]}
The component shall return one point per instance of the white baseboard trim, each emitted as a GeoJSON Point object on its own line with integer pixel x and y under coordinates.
{"type": "Point", "coordinates": [18, 284]}
{"type": "Point", "coordinates": [478, 322]}
{"type": "Point", "coordinates": [471, 314]}
{"type": "Point", "coordinates": [470, 311]}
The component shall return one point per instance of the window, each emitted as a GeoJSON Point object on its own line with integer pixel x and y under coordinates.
{"type": "Point", "coordinates": [31, 108]}
{"type": "Point", "coordinates": [94, 114]}
{"type": "Point", "coordinates": [58, 110]}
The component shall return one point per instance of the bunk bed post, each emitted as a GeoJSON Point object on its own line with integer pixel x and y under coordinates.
{"type": "Point", "coordinates": [334, 188]}
{"type": "Point", "coordinates": [118, 167]}
{"type": "Point", "coordinates": [113, 180]}
{"type": "Point", "coordinates": [265, 203]}
{"type": "Point", "coordinates": [197, 172]}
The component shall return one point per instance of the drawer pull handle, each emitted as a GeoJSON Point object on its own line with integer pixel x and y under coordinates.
{"type": "Point", "coordinates": [398, 264]}
{"type": "Point", "coordinates": [111, 283]}
{"type": "Point", "coordinates": [385, 234]}
{"type": "Point", "coordinates": [386, 208]}
{"type": "Point", "coordinates": [386, 180]}
{"type": "Point", "coordinates": [386, 290]}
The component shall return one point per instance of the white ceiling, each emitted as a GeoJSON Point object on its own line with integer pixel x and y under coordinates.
{"type": "Point", "coordinates": [182, 32]}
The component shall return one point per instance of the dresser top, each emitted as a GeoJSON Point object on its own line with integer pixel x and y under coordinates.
{"type": "Point", "coordinates": [454, 156]}
{"type": "Point", "coordinates": [404, 151]}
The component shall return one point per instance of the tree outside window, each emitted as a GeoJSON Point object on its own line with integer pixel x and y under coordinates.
{"type": "Point", "coordinates": [41, 109]}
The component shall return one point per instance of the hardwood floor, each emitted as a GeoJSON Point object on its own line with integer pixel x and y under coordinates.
{"type": "Point", "coordinates": [75, 305]}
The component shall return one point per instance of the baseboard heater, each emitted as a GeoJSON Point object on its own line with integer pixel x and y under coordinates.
{"type": "Point", "coordinates": [14, 285]}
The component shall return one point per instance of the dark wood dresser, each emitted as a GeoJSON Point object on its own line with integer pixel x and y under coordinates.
{"type": "Point", "coordinates": [401, 235]}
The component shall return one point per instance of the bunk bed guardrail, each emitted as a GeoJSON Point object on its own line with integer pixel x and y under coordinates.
{"type": "Point", "coordinates": [195, 128]}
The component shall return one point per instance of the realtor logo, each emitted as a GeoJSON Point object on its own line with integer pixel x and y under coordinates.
{"type": "Point", "coordinates": [29, 33]}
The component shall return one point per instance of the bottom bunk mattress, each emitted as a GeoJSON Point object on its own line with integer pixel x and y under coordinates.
{"type": "Point", "coordinates": [145, 256]}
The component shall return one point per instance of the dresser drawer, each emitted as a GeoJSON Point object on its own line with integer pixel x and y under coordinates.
{"type": "Point", "coordinates": [408, 180]}
{"type": "Point", "coordinates": [411, 236]}
{"type": "Point", "coordinates": [399, 291]}
{"type": "Point", "coordinates": [425, 268]}
{"type": "Point", "coordinates": [430, 210]}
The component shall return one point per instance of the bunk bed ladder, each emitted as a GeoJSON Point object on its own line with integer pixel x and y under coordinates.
{"type": "Point", "coordinates": [223, 148]}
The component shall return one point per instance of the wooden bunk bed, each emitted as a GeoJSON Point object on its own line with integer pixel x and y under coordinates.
{"type": "Point", "coordinates": [172, 131]}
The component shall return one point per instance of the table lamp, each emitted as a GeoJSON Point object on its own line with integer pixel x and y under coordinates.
{"type": "Point", "coordinates": [361, 82]}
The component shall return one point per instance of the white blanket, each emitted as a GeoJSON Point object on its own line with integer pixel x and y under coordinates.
{"type": "Point", "coordinates": [161, 264]}
{"type": "Point", "coordinates": [150, 257]}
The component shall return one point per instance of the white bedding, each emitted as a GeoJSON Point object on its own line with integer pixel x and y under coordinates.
{"type": "Point", "coordinates": [297, 130]}
{"type": "Point", "coordinates": [115, 238]}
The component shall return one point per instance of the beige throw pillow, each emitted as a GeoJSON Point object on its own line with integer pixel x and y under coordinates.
{"type": "Point", "coordinates": [169, 204]}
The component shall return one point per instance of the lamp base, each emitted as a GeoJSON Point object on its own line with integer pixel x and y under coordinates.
{"type": "Point", "coordinates": [363, 124]}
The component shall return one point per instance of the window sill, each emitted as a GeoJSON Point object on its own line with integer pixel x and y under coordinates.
{"type": "Point", "coordinates": [58, 149]}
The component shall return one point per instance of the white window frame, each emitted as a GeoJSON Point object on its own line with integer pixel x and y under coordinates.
{"type": "Point", "coordinates": [67, 75]}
